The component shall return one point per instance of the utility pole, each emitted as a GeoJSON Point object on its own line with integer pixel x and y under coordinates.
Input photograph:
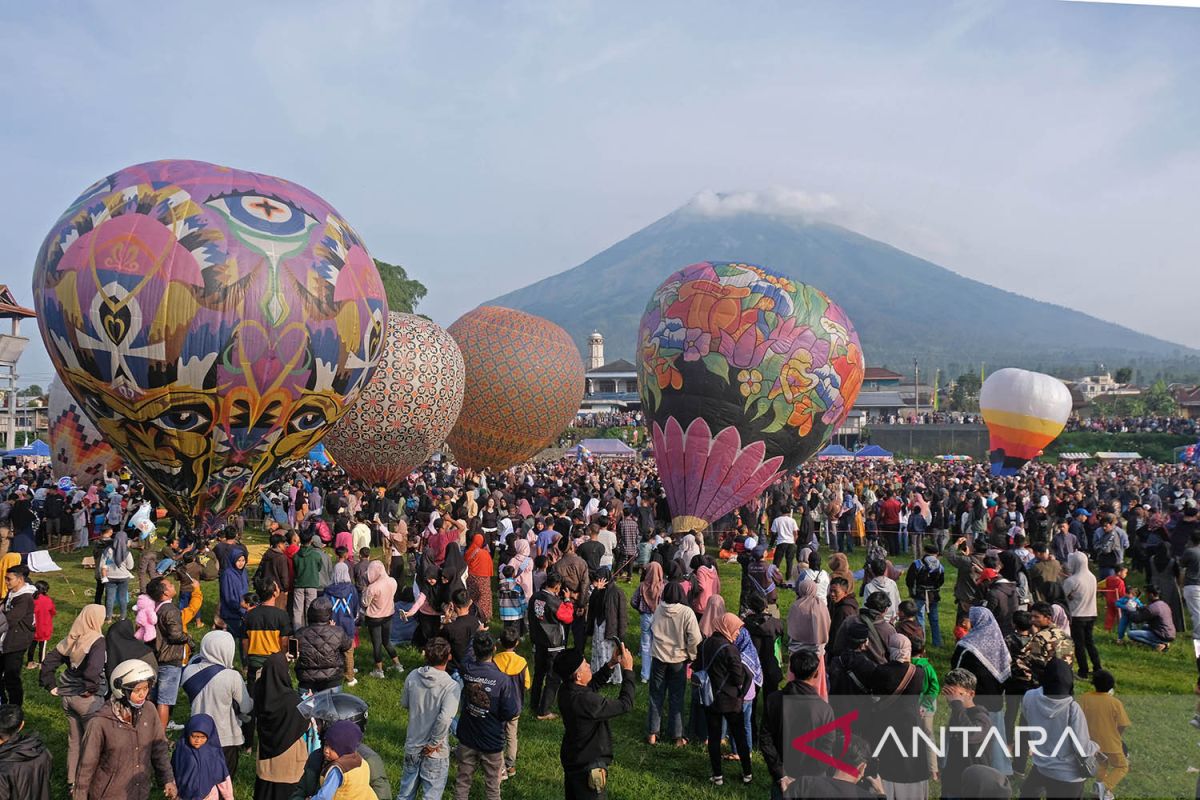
{"type": "Point", "coordinates": [916, 387]}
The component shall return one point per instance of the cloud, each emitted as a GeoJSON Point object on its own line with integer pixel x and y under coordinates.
{"type": "Point", "coordinates": [776, 201]}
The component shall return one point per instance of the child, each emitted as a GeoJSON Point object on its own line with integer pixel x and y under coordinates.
{"type": "Point", "coordinates": [343, 773]}
{"type": "Point", "coordinates": [513, 602]}
{"type": "Point", "coordinates": [1113, 589]}
{"type": "Point", "coordinates": [1107, 722]}
{"type": "Point", "coordinates": [43, 624]}
{"type": "Point", "coordinates": [930, 690]}
{"type": "Point", "coordinates": [146, 618]}
{"type": "Point", "coordinates": [359, 569]}
{"type": "Point", "coordinates": [508, 662]}
{"type": "Point", "coordinates": [1128, 606]}
{"type": "Point", "coordinates": [199, 764]}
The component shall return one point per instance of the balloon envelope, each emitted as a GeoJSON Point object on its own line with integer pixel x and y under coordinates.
{"type": "Point", "coordinates": [743, 374]}
{"type": "Point", "coordinates": [212, 322]}
{"type": "Point", "coordinates": [407, 409]}
{"type": "Point", "coordinates": [1024, 412]}
{"type": "Point", "coordinates": [524, 386]}
{"type": "Point", "coordinates": [76, 448]}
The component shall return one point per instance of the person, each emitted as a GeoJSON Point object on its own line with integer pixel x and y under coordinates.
{"type": "Point", "coordinates": [1056, 772]}
{"type": "Point", "coordinates": [608, 617]}
{"type": "Point", "coordinates": [43, 624]}
{"type": "Point", "coordinates": [215, 688]}
{"type": "Point", "coordinates": [761, 577]}
{"type": "Point", "coordinates": [116, 565]}
{"type": "Point", "coordinates": [512, 600]}
{"type": "Point", "coordinates": [431, 697]}
{"type": "Point", "coordinates": [268, 628]}
{"type": "Point", "coordinates": [587, 749]}
{"type": "Point", "coordinates": [984, 653]}
{"type": "Point", "coordinates": [344, 773]}
{"type": "Point", "coordinates": [811, 713]}
{"type": "Point", "coordinates": [808, 627]}
{"type": "Point", "coordinates": [24, 759]}
{"type": "Point", "coordinates": [924, 579]}
{"type": "Point", "coordinates": [479, 576]}
{"type": "Point", "coordinates": [346, 605]}
{"type": "Point", "coordinates": [675, 639]}
{"type": "Point", "coordinates": [959, 689]}
{"type": "Point", "coordinates": [275, 567]}
{"type": "Point", "coordinates": [1049, 641]}
{"type": "Point", "coordinates": [280, 729]}
{"type": "Point", "coordinates": [959, 555]}
{"type": "Point", "coordinates": [171, 646]}
{"type": "Point", "coordinates": [83, 651]}
{"type": "Point", "coordinates": [199, 763]}
{"type": "Point", "coordinates": [766, 633]}
{"type": "Point", "coordinates": [1159, 630]}
{"type": "Point", "coordinates": [460, 629]}
{"type": "Point", "coordinates": [549, 614]}
{"type": "Point", "coordinates": [645, 600]}
{"type": "Point", "coordinates": [785, 529]}
{"type": "Point", "coordinates": [1045, 576]}
{"type": "Point", "coordinates": [321, 649]}
{"type": "Point", "coordinates": [719, 659]}
{"type": "Point", "coordinates": [125, 743]}
{"type": "Point", "coordinates": [19, 627]}
{"type": "Point", "coordinates": [1107, 722]}
{"type": "Point", "coordinates": [489, 700]}
{"type": "Point", "coordinates": [1189, 566]}
{"type": "Point", "coordinates": [308, 563]}
{"type": "Point", "coordinates": [516, 668]}
{"type": "Point", "coordinates": [881, 583]}
{"type": "Point", "coordinates": [378, 608]}
{"type": "Point", "coordinates": [900, 685]}
{"type": "Point", "coordinates": [573, 572]}
{"type": "Point", "coordinates": [1080, 588]}
{"type": "Point", "coordinates": [843, 784]}
{"type": "Point", "coordinates": [843, 606]}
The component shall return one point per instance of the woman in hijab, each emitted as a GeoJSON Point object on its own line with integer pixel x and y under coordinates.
{"type": "Point", "coordinates": [121, 645]}
{"type": "Point", "coordinates": [808, 627]}
{"type": "Point", "coordinates": [1056, 772]}
{"type": "Point", "coordinates": [984, 654]}
{"type": "Point", "coordinates": [898, 685]}
{"type": "Point", "coordinates": [522, 563]}
{"type": "Point", "coordinates": [745, 645]}
{"type": "Point", "coordinates": [116, 564]}
{"type": "Point", "coordinates": [452, 574]}
{"type": "Point", "coordinates": [714, 612]}
{"type": "Point", "coordinates": [378, 610]}
{"type": "Point", "coordinates": [1011, 569]}
{"type": "Point", "coordinates": [839, 567]}
{"type": "Point", "coordinates": [689, 548]}
{"type": "Point", "coordinates": [731, 681]}
{"type": "Point", "coordinates": [281, 727]}
{"type": "Point", "coordinates": [84, 652]}
{"type": "Point", "coordinates": [1164, 575]}
{"type": "Point", "coordinates": [479, 577]}
{"type": "Point", "coordinates": [233, 584]}
{"type": "Point", "coordinates": [1060, 619]}
{"type": "Point", "coordinates": [646, 598]}
{"type": "Point", "coordinates": [706, 582]}
{"type": "Point", "coordinates": [198, 763]}
{"type": "Point", "coordinates": [428, 601]}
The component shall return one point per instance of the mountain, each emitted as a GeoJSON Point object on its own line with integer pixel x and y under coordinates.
{"type": "Point", "coordinates": [903, 307]}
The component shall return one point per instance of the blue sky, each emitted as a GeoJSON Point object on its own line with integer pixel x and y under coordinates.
{"type": "Point", "coordinates": [1045, 147]}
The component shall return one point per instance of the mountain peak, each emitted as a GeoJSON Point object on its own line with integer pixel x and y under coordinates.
{"type": "Point", "coordinates": [774, 202]}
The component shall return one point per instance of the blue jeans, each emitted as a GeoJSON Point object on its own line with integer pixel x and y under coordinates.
{"type": "Point", "coordinates": [747, 708]}
{"type": "Point", "coordinates": [667, 681]}
{"type": "Point", "coordinates": [1125, 607]}
{"type": "Point", "coordinates": [1143, 636]}
{"type": "Point", "coordinates": [935, 630]}
{"type": "Point", "coordinates": [116, 593]}
{"type": "Point", "coordinates": [647, 640]}
{"type": "Point", "coordinates": [428, 774]}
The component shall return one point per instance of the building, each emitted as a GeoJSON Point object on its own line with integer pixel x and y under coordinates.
{"type": "Point", "coordinates": [11, 346]}
{"type": "Point", "coordinates": [1103, 385]}
{"type": "Point", "coordinates": [608, 387]}
{"type": "Point", "coordinates": [1188, 400]}
{"type": "Point", "coordinates": [879, 404]}
{"type": "Point", "coordinates": [881, 379]}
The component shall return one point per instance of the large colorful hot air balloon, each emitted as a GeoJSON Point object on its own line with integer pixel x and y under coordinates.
{"type": "Point", "coordinates": [76, 448]}
{"type": "Point", "coordinates": [213, 323]}
{"type": "Point", "coordinates": [743, 374]}
{"type": "Point", "coordinates": [407, 409]}
{"type": "Point", "coordinates": [524, 385]}
{"type": "Point", "coordinates": [1024, 412]}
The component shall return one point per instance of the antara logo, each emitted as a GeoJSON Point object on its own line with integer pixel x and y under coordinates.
{"type": "Point", "coordinates": [842, 724]}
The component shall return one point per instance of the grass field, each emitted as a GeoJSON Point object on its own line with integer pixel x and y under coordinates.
{"type": "Point", "coordinates": [1157, 689]}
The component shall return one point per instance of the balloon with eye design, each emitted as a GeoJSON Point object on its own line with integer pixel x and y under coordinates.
{"type": "Point", "coordinates": [743, 373]}
{"type": "Point", "coordinates": [212, 322]}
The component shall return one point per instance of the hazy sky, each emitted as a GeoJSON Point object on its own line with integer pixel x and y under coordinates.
{"type": "Point", "coordinates": [1044, 147]}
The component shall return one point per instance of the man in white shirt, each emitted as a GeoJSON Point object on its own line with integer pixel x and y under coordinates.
{"type": "Point", "coordinates": [361, 533]}
{"type": "Point", "coordinates": [608, 538]}
{"type": "Point", "coordinates": [784, 528]}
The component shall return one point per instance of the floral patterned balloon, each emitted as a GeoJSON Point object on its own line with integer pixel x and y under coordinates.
{"type": "Point", "coordinates": [744, 373]}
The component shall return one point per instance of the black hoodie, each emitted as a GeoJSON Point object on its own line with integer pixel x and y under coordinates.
{"type": "Point", "coordinates": [25, 768]}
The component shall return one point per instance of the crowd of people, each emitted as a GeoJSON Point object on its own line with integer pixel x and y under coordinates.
{"type": "Point", "coordinates": [1179, 426]}
{"type": "Point", "coordinates": [474, 569]}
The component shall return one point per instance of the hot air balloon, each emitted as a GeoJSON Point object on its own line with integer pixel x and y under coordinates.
{"type": "Point", "coordinates": [76, 448]}
{"type": "Point", "coordinates": [213, 323]}
{"type": "Point", "coordinates": [407, 409]}
{"type": "Point", "coordinates": [524, 386]}
{"type": "Point", "coordinates": [743, 374]}
{"type": "Point", "coordinates": [1024, 412]}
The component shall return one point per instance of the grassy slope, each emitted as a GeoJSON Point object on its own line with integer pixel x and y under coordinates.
{"type": "Point", "coordinates": [1161, 740]}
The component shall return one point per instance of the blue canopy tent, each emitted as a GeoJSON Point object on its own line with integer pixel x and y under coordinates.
{"type": "Point", "coordinates": [320, 456]}
{"type": "Point", "coordinates": [834, 451]}
{"type": "Point", "coordinates": [35, 449]}
{"type": "Point", "coordinates": [873, 451]}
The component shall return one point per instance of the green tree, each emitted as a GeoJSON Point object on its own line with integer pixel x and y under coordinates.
{"type": "Point", "coordinates": [964, 395]}
{"type": "Point", "coordinates": [1123, 375]}
{"type": "Point", "coordinates": [33, 390]}
{"type": "Point", "coordinates": [1159, 401]}
{"type": "Point", "coordinates": [403, 292]}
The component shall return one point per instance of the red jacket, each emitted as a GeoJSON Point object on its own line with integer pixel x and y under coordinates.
{"type": "Point", "coordinates": [43, 618]}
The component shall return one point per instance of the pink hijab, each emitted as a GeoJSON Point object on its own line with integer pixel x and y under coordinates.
{"type": "Point", "coordinates": [708, 583]}
{"type": "Point", "coordinates": [523, 564]}
{"type": "Point", "coordinates": [714, 613]}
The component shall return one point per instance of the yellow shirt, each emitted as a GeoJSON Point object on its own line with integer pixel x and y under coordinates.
{"type": "Point", "coordinates": [1104, 714]}
{"type": "Point", "coordinates": [510, 663]}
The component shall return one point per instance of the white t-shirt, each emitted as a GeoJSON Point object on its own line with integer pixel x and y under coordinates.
{"type": "Point", "coordinates": [785, 529]}
{"type": "Point", "coordinates": [609, 540]}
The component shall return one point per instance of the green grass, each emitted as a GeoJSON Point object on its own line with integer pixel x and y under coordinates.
{"type": "Point", "coordinates": [1157, 688]}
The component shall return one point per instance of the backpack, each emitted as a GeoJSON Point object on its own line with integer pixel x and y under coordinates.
{"type": "Point", "coordinates": [704, 682]}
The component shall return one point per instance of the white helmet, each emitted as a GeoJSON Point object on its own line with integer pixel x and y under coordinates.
{"type": "Point", "coordinates": [128, 674]}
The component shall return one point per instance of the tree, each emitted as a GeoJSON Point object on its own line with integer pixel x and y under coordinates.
{"type": "Point", "coordinates": [403, 292]}
{"type": "Point", "coordinates": [33, 390]}
{"type": "Point", "coordinates": [964, 395]}
{"type": "Point", "coordinates": [1159, 401]}
{"type": "Point", "coordinates": [1123, 375]}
